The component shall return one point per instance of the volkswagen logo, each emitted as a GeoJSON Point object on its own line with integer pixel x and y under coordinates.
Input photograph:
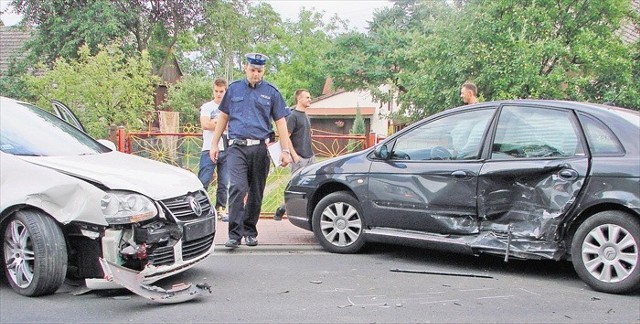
{"type": "Point", "coordinates": [195, 206]}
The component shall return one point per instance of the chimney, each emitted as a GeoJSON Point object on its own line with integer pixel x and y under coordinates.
{"type": "Point", "coordinates": [327, 89]}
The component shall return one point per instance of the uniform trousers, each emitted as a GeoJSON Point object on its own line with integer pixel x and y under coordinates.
{"type": "Point", "coordinates": [248, 168]}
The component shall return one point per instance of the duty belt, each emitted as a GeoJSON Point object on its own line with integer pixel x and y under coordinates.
{"type": "Point", "coordinates": [245, 142]}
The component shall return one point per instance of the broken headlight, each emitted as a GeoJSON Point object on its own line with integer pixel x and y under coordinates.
{"type": "Point", "coordinates": [122, 207]}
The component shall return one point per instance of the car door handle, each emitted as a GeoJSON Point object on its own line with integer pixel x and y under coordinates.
{"type": "Point", "coordinates": [568, 174]}
{"type": "Point", "coordinates": [459, 174]}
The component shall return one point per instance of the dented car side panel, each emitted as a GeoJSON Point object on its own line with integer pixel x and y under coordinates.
{"type": "Point", "coordinates": [525, 202]}
{"type": "Point", "coordinates": [65, 198]}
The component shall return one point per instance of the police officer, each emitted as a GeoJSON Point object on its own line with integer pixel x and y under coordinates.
{"type": "Point", "coordinates": [248, 107]}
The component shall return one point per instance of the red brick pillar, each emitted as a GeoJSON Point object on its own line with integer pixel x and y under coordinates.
{"type": "Point", "coordinates": [121, 139]}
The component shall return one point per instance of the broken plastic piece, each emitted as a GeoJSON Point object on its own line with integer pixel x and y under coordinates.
{"type": "Point", "coordinates": [132, 280]}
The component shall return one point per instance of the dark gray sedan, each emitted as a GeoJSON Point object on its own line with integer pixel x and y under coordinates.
{"type": "Point", "coordinates": [525, 179]}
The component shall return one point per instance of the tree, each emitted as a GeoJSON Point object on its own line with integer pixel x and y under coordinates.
{"type": "Point", "coordinates": [296, 53]}
{"type": "Point", "coordinates": [548, 49]}
{"type": "Point", "coordinates": [388, 54]}
{"type": "Point", "coordinates": [233, 28]}
{"type": "Point", "coordinates": [62, 27]}
{"type": "Point", "coordinates": [109, 88]}
{"type": "Point", "coordinates": [358, 128]}
{"type": "Point", "coordinates": [221, 40]}
{"type": "Point", "coordinates": [187, 96]}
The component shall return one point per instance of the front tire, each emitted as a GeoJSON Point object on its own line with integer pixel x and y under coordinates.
{"type": "Point", "coordinates": [35, 253]}
{"type": "Point", "coordinates": [605, 252]}
{"type": "Point", "coordinates": [338, 223]}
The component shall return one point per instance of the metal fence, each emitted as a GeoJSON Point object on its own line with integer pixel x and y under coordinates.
{"type": "Point", "coordinates": [183, 150]}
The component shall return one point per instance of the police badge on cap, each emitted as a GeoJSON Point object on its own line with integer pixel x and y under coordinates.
{"type": "Point", "coordinates": [256, 60]}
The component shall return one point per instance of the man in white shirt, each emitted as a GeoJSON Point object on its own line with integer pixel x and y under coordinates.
{"type": "Point", "coordinates": [208, 119]}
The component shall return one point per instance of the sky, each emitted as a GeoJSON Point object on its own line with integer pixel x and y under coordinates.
{"type": "Point", "coordinates": [358, 12]}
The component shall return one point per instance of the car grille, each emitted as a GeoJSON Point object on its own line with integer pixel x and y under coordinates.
{"type": "Point", "coordinates": [196, 247]}
{"type": "Point", "coordinates": [162, 256]}
{"type": "Point", "coordinates": [182, 213]}
{"type": "Point", "coordinates": [179, 207]}
{"type": "Point", "coordinates": [190, 250]}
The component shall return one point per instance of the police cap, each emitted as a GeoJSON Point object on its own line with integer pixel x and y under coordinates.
{"type": "Point", "coordinates": [256, 60]}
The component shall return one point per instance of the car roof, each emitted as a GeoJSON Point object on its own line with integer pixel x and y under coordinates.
{"type": "Point", "coordinates": [576, 105]}
{"type": "Point", "coordinates": [609, 114]}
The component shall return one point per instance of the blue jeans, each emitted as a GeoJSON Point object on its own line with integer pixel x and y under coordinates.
{"type": "Point", "coordinates": [222, 193]}
{"type": "Point", "coordinates": [205, 174]}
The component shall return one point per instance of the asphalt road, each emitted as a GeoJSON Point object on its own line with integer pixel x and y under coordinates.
{"type": "Point", "coordinates": [302, 284]}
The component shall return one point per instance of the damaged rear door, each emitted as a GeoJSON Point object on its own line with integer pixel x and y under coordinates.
{"type": "Point", "coordinates": [536, 168]}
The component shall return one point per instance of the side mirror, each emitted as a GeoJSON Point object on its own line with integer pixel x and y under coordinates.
{"type": "Point", "coordinates": [381, 152]}
{"type": "Point", "coordinates": [108, 144]}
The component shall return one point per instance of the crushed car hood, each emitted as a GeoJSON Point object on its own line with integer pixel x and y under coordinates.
{"type": "Point", "coordinates": [120, 171]}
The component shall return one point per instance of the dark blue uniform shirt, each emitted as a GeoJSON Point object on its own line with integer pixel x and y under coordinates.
{"type": "Point", "coordinates": [250, 109]}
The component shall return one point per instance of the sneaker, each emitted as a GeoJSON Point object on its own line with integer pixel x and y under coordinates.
{"type": "Point", "coordinates": [251, 241]}
{"type": "Point", "coordinates": [222, 213]}
{"type": "Point", "coordinates": [232, 243]}
{"type": "Point", "coordinates": [279, 212]}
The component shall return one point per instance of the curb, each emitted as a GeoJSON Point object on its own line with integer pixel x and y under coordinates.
{"type": "Point", "coordinates": [270, 248]}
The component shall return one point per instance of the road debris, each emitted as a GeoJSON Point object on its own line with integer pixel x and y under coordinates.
{"type": "Point", "coordinates": [442, 273]}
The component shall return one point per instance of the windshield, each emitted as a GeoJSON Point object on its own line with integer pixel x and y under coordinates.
{"type": "Point", "coordinates": [29, 130]}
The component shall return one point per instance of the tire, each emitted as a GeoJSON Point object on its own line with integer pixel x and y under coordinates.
{"type": "Point", "coordinates": [605, 252]}
{"type": "Point", "coordinates": [35, 253]}
{"type": "Point", "coordinates": [338, 224]}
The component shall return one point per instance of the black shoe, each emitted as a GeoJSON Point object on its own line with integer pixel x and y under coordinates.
{"type": "Point", "coordinates": [233, 243]}
{"type": "Point", "coordinates": [279, 212]}
{"type": "Point", "coordinates": [251, 241]}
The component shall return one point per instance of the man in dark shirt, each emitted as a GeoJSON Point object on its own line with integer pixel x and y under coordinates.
{"type": "Point", "coordinates": [299, 128]}
{"type": "Point", "coordinates": [469, 93]}
{"type": "Point", "coordinates": [248, 107]}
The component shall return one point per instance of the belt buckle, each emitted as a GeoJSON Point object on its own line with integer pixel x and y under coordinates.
{"type": "Point", "coordinates": [240, 142]}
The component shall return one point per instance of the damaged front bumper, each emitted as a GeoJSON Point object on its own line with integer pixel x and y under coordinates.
{"type": "Point", "coordinates": [156, 249]}
{"type": "Point", "coordinates": [134, 281]}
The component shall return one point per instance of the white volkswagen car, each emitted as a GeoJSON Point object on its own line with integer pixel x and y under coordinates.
{"type": "Point", "coordinates": [68, 200]}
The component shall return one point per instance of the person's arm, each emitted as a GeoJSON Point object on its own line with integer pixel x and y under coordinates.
{"type": "Point", "coordinates": [221, 124]}
{"type": "Point", "coordinates": [207, 123]}
{"type": "Point", "coordinates": [291, 124]}
{"type": "Point", "coordinates": [285, 141]}
{"type": "Point", "coordinates": [295, 158]}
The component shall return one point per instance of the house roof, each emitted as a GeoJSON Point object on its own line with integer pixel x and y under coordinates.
{"type": "Point", "coordinates": [12, 40]}
{"type": "Point", "coordinates": [327, 95]}
{"type": "Point", "coordinates": [630, 31]}
{"type": "Point", "coordinates": [169, 72]}
{"type": "Point", "coordinates": [342, 111]}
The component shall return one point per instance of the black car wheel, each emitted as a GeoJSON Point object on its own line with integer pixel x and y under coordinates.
{"type": "Point", "coordinates": [605, 252]}
{"type": "Point", "coordinates": [338, 223]}
{"type": "Point", "coordinates": [35, 254]}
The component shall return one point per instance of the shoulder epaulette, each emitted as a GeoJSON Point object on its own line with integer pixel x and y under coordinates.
{"type": "Point", "coordinates": [271, 85]}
